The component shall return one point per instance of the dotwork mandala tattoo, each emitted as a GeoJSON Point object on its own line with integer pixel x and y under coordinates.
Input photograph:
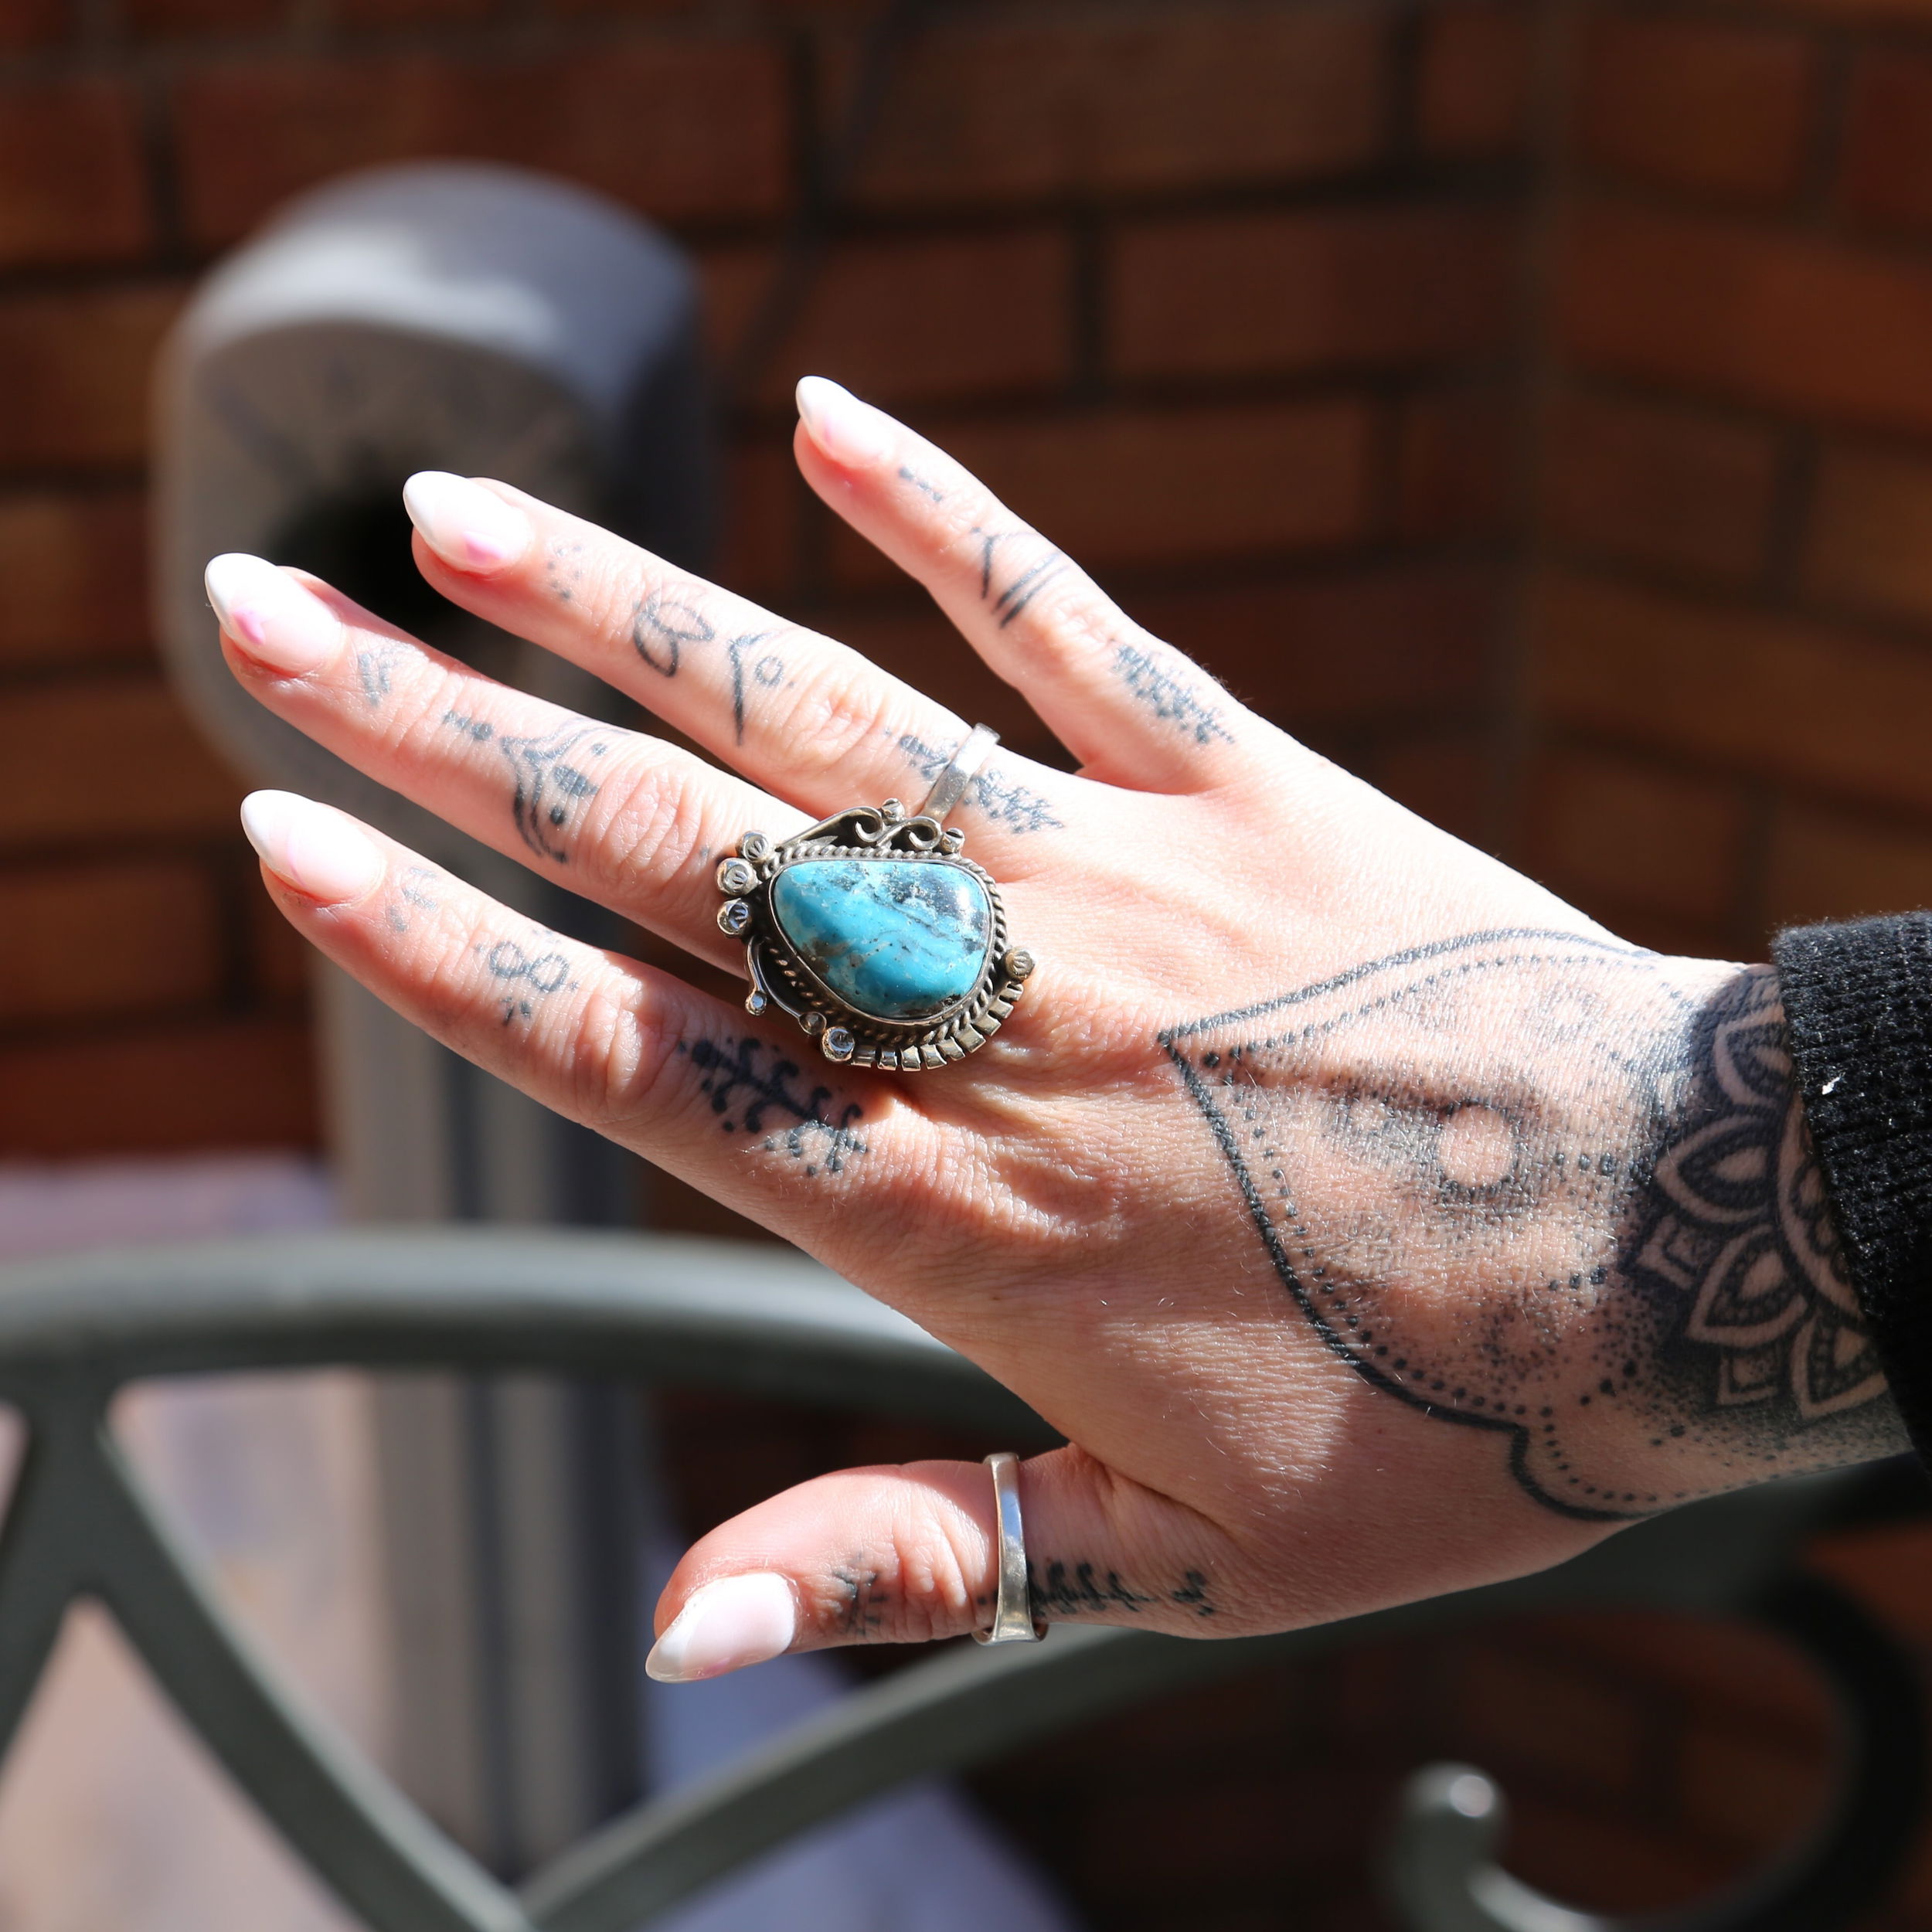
{"type": "Point", "coordinates": [1616, 1154]}
{"type": "Point", "coordinates": [753, 1087]}
{"type": "Point", "coordinates": [1742, 1231]}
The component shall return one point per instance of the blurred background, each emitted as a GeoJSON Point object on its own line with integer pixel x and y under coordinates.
{"type": "Point", "coordinates": [1531, 406]}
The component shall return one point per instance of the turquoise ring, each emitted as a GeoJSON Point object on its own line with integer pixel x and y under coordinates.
{"type": "Point", "coordinates": [875, 933]}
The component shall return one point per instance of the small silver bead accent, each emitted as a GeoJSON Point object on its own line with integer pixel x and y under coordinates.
{"type": "Point", "coordinates": [737, 875]}
{"type": "Point", "coordinates": [837, 1043]}
{"type": "Point", "coordinates": [754, 845]}
{"type": "Point", "coordinates": [733, 916]}
{"type": "Point", "coordinates": [755, 1002]}
{"type": "Point", "coordinates": [892, 811]}
{"type": "Point", "coordinates": [1018, 964]}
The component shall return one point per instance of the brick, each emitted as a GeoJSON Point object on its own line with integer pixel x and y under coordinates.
{"type": "Point", "coordinates": [1157, 486]}
{"type": "Point", "coordinates": [939, 317]}
{"type": "Point", "coordinates": [1869, 543]}
{"type": "Point", "coordinates": [1013, 110]}
{"type": "Point", "coordinates": [680, 129]}
{"type": "Point", "coordinates": [764, 511]}
{"type": "Point", "coordinates": [108, 760]}
{"type": "Point", "coordinates": [108, 939]}
{"type": "Point", "coordinates": [1349, 649]}
{"type": "Point", "coordinates": [167, 19]}
{"type": "Point", "coordinates": [281, 962]}
{"type": "Point", "coordinates": [1828, 864]}
{"type": "Point", "coordinates": [1888, 1568]}
{"type": "Point", "coordinates": [34, 23]}
{"type": "Point", "coordinates": [1456, 463]}
{"type": "Point", "coordinates": [1450, 779]}
{"type": "Point", "coordinates": [1722, 1666]}
{"type": "Point", "coordinates": [1749, 1790]}
{"type": "Point", "coordinates": [1616, 833]}
{"type": "Point", "coordinates": [1885, 175]}
{"type": "Point", "coordinates": [232, 1084]}
{"type": "Point", "coordinates": [1795, 320]}
{"type": "Point", "coordinates": [1791, 699]}
{"type": "Point", "coordinates": [1541, 1714]}
{"type": "Point", "coordinates": [1709, 106]}
{"type": "Point", "coordinates": [388, 13]}
{"type": "Point", "coordinates": [1650, 483]}
{"type": "Point", "coordinates": [914, 642]}
{"type": "Point", "coordinates": [1247, 294]}
{"type": "Point", "coordinates": [1472, 93]}
{"type": "Point", "coordinates": [74, 568]}
{"type": "Point", "coordinates": [78, 367]}
{"type": "Point", "coordinates": [1602, 1860]}
{"type": "Point", "coordinates": [71, 188]}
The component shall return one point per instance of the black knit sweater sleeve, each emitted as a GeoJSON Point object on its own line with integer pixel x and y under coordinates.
{"type": "Point", "coordinates": [1857, 1004]}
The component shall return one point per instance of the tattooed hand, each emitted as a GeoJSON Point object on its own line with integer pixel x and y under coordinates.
{"type": "Point", "coordinates": [1370, 1222]}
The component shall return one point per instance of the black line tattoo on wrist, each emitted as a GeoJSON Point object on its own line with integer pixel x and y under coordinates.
{"type": "Point", "coordinates": [1616, 1155]}
{"type": "Point", "coordinates": [530, 976]}
{"type": "Point", "coordinates": [663, 626]}
{"type": "Point", "coordinates": [1175, 698]}
{"type": "Point", "coordinates": [547, 786]}
{"type": "Point", "coordinates": [751, 1086]}
{"type": "Point", "coordinates": [1005, 802]}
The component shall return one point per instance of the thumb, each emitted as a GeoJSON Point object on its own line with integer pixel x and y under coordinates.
{"type": "Point", "coordinates": [907, 1554]}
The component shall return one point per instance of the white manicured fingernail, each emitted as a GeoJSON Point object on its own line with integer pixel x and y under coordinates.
{"type": "Point", "coordinates": [851, 433]}
{"type": "Point", "coordinates": [270, 615]}
{"type": "Point", "coordinates": [320, 852]}
{"type": "Point", "coordinates": [736, 1621]}
{"type": "Point", "coordinates": [470, 528]}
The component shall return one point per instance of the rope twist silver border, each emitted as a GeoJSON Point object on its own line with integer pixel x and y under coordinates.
{"type": "Point", "coordinates": [1013, 1619]}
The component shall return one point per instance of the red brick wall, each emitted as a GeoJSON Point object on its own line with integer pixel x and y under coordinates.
{"type": "Point", "coordinates": [1738, 473]}
{"type": "Point", "coordinates": [1576, 485]}
{"type": "Point", "coordinates": [1225, 296]}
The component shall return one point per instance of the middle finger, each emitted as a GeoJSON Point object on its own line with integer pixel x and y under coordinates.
{"type": "Point", "coordinates": [797, 711]}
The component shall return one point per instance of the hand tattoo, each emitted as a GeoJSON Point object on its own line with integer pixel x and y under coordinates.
{"type": "Point", "coordinates": [1621, 1162]}
{"type": "Point", "coordinates": [748, 1082]}
{"type": "Point", "coordinates": [663, 626]}
{"type": "Point", "coordinates": [547, 786]}
{"type": "Point", "coordinates": [535, 976]}
{"type": "Point", "coordinates": [1005, 801]}
{"type": "Point", "coordinates": [1170, 694]}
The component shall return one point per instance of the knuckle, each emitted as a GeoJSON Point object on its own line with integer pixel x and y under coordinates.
{"type": "Point", "coordinates": [612, 1058]}
{"type": "Point", "coordinates": [656, 827]}
{"type": "Point", "coordinates": [841, 709]}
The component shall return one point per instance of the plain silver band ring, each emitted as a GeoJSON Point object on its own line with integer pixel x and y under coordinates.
{"type": "Point", "coordinates": [961, 769]}
{"type": "Point", "coordinates": [1013, 1619]}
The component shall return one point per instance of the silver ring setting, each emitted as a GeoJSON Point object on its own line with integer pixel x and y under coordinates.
{"type": "Point", "coordinates": [1013, 1619]}
{"type": "Point", "coordinates": [875, 933]}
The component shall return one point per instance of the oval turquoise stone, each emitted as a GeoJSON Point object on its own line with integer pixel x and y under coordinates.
{"type": "Point", "coordinates": [896, 940]}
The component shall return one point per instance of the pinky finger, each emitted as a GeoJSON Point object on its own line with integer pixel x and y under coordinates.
{"type": "Point", "coordinates": [908, 1554]}
{"type": "Point", "coordinates": [620, 1046]}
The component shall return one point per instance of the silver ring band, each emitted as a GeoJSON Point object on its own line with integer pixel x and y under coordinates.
{"type": "Point", "coordinates": [1013, 1619]}
{"type": "Point", "coordinates": [963, 767]}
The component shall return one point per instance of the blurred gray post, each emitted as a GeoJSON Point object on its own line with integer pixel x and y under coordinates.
{"type": "Point", "coordinates": [491, 322]}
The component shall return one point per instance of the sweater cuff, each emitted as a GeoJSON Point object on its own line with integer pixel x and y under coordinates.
{"type": "Point", "coordinates": [1858, 1008]}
